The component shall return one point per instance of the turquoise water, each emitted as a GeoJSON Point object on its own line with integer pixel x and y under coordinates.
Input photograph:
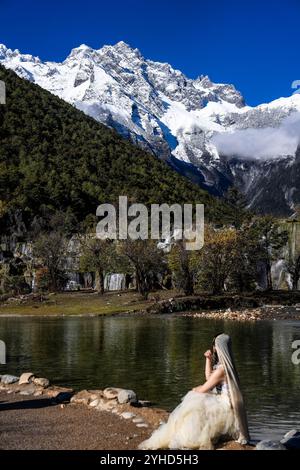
{"type": "Point", "coordinates": [161, 358]}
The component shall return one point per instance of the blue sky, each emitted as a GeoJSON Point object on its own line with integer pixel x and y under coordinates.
{"type": "Point", "coordinates": [252, 44]}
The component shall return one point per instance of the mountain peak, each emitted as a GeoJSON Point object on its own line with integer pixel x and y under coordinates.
{"type": "Point", "coordinates": [124, 49]}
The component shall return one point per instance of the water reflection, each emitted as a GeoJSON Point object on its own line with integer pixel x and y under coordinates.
{"type": "Point", "coordinates": [161, 358]}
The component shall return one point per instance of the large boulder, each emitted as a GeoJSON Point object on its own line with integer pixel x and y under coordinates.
{"type": "Point", "coordinates": [26, 378]}
{"type": "Point", "coordinates": [127, 396]}
{"type": "Point", "coordinates": [9, 379]}
{"type": "Point", "coordinates": [291, 440]}
{"type": "Point", "coordinates": [270, 445]}
{"type": "Point", "coordinates": [41, 382]}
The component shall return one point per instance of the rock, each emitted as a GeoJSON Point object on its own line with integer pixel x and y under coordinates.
{"type": "Point", "coordinates": [27, 389]}
{"type": "Point", "coordinates": [97, 392]}
{"type": "Point", "coordinates": [41, 382]}
{"type": "Point", "coordinates": [84, 397]}
{"type": "Point", "coordinates": [9, 379]}
{"type": "Point", "coordinates": [291, 440]}
{"type": "Point", "coordinates": [127, 396]}
{"type": "Point", "coordinates": [142, 425]}
{"type": "Point", "coordinates": [25, 392]}
{"type": "Point", "coordinates": [137, 420]}
{"type": "Point", "coordinates": [111, 392]}
{"type": "Point", "coordinates": [270, 445]}
{"type": "Point", "coordinates": [127, 415]}
{"type": "Point", "coordinates": [144, 403]}
{"type": "Point", "coordinates": [26, 378]}
{"type": "Point", "coordinates": [105, 406]}
{"type": "Point", "coordinates": [59, 394]}
{"type": "Point", "coordinates": [94, 403]}
{"type": "Point", "coordinates": [290, 434]}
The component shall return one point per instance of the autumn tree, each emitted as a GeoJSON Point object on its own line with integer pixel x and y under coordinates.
{"type": "Point", "coordinates": [50, 252]}
{"type": "Point", "coordinates": [217, 258]}
{"type": "Point", "coordinates": [269, 239]}
{"type": "Point", "coordinates": [146, 260]}
{"type": "Point", "coordinates": [96, 256]}
{"type": "Point", "coordinates": [183, 265]}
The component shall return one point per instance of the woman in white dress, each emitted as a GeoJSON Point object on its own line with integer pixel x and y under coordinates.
{"type": "Point", "coordinates": [209, 411]}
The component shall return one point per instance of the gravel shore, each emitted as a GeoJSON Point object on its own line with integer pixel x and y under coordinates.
{"type": "Point", "coordinates": [38, 423]}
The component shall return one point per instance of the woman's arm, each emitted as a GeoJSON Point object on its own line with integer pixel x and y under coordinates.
{"type": "Point", "coordinates": [208, 365]}
{"type": "Point", "coordinates": [215, 378]}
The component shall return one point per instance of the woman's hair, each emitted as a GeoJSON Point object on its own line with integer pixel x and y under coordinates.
{"type": "Point", "coordinates": [215, 357]}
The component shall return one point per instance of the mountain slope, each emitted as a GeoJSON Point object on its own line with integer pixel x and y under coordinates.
{"type": "Point", "coordinates": [55, 158]}
{"type": "Point", "coordinates": [202, 129]}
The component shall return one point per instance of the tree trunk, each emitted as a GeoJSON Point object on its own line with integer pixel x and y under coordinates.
{"type": "Point", "coordinates": [99, 282]}
{"type": "Point", "coordinates": [269, 276]}
{"type": "Point", "coordinates": [296, 274]}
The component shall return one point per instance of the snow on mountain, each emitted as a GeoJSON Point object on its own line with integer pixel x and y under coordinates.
{"type": "Point", "coordinates": [203, 129]}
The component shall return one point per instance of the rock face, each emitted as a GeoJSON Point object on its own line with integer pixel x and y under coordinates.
{"type": "Point", "coordinates": [203, 129]}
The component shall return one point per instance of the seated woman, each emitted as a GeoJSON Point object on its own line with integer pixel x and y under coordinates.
{"type": "Point", "coordinates": [209, 411]}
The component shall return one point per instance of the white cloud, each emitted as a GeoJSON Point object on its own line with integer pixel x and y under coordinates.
{"type": "Point", "coordinates": [264, 143]}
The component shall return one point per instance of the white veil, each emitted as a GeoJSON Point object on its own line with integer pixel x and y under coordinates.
{"type": "Point", "coordinates": [224, 351]}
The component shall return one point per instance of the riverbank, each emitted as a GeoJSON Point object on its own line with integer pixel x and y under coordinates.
{"type": "Point", "coordinates": [74, 303]}
{"type": "Point", "coordinates": [276, 305]}
{"type": "Point", "coordinates": [59, 419]}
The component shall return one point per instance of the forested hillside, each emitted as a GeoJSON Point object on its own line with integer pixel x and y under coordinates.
{"type": "Point", "coordinates": [53, 158]}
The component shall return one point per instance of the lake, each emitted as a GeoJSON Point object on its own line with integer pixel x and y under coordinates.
{"type": "Point", "coordinates": [161, 358]}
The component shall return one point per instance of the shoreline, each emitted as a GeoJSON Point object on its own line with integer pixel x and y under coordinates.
{"type": "Point", "coordinates": [264, 313]}
{"type": "Point", "coordinates": [249, 306]}
{"type": "Point", "coordinates": [58, 414]}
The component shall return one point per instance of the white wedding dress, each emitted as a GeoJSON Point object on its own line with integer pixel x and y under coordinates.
{"type": "Point", "coordinates": [196, 423]}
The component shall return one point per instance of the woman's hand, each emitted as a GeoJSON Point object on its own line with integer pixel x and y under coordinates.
{"type": "Point", "coordinates": [208, 354]}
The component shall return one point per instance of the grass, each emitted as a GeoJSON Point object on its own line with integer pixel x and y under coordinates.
{"type": "Point", "coordinates": [82, 303]}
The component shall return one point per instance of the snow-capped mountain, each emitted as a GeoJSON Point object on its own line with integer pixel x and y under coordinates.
{"type": "Point", "coordinates": [203, 129]}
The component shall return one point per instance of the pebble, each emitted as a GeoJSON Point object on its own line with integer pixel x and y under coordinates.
{"type": "Point", "coordinates": [142, 425]}
{"type": "Point", "coordinates": [94, 403]}
{"type": "Point", "coordinates": [137, 420]}
{"type": "Point", "coordinates": [127, 415]}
